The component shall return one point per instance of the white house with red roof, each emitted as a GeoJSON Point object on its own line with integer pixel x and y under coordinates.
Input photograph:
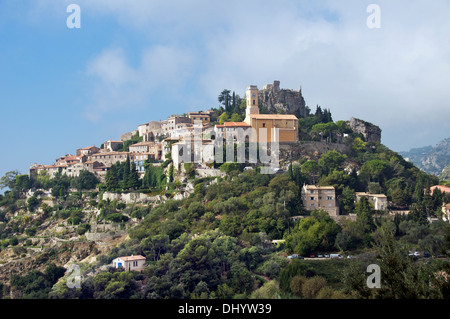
{"type": "Point", "coordinates": [129, 262]}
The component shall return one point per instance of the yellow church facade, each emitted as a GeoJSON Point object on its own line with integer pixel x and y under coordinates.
{"type": "Point", "coordinates": [287, 124]}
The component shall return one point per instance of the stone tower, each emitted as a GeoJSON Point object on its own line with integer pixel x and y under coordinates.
{"type": "Point", "coordinates": [252, 100]}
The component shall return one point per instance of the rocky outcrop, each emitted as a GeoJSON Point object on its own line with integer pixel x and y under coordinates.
{"type": "Point", "coordinates": [133, 197]}
{"type": "Point", "coordinates": [431, 159]}
{"type": "Point", "coordinates": [445, 174]}
{"type": "Point", "coordinates": [371, 132]}
{"type": "Point", "coordinates": [286, 101]}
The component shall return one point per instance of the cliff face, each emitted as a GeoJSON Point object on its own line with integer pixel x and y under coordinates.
{"type": "Point", "coordinates": [445, 175]}
{"type": "Point", "coordinates": [371, 132]}
{"type": "Point", "coordinates": [286, 101]}
{"type": "Point", "coordinates": [431, 159]}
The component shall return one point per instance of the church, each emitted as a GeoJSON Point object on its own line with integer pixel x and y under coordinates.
{"type": "Point", "coordinates": [263, 124]}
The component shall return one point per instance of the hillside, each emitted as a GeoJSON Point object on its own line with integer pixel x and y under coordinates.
{"type": "Point", "coordinates": [226, 231]}
{"type": "Point", "coordinates": [431, 159]}
{"type": "Point", "coordinates": [215, 242]}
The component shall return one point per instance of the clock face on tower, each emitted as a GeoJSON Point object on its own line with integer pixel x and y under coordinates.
{"type": "Point", "coordinates": [253, 95]}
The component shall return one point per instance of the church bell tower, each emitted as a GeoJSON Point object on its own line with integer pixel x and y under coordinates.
{"type": "Point", "coordinates": [252, 102]}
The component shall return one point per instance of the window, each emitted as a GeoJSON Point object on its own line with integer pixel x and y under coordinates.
{"type": "Point", "coordinates": [311, 198]}
{"type": "Point", "coordinates": [264, 124]}
{"type": "Point", "coordinates": [254, 102]}
{"type": "Point", "coordinates": [329, 197]}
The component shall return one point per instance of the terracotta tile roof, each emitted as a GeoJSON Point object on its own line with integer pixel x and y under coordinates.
{"type": "Point", "coordinates": [274, 116]}
{"type": "Point", "coordinates": [88, 148]}
{"type": "Point", "coordinates": [131, 258]}
{"type": "Point", "coordinates": [233, 124]}
{"type": "Point", "coordinates": [442, 188]}
{"type": "Point", "coordinates": [368, 194]}
{"type": "Point", "coordinates": [318, 187]}
{"type": "Point", "coordinates": [109, 153]}
{"type": "Point", "coordinates": [142, 144]}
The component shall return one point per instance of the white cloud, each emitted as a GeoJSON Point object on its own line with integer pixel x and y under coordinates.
{"type": "Point", "coordinates": [396, 76]}
{"type": "Point", "coordinates": [118, 86]}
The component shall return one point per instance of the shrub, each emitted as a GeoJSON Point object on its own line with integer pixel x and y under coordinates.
{"type": "Point", "coordinates": [312, 286]}
{"type": "Point", "coordinates": [296, 285]}
{"type": "Point", "coordinates": [83, 228]}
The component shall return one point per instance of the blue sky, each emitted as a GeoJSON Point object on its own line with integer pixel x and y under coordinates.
{"type": "Point", "coordinates": [135, 61]}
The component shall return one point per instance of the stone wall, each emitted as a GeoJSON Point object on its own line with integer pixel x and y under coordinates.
{"type": "Point", "coordinates": [105, 236]}
{"type": "Point", "coordinates": [309, 150]}
{"type": "Point", "coordinates": [129, 198]}
{"type": "Point", "coordinates": [207, 172]}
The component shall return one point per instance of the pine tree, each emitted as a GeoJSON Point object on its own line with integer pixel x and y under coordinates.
{"type": "Point", "coordinates": [111, 178]}
{"type": "Point", "coordinates": [133, 179]}
{"type": "Point", "coordinates": [171, 174]}
{"type": "Point", "coordinates": [126, 173]}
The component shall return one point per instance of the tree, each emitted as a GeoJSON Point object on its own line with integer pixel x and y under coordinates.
{"type": "Point", "coordinates": [112, 178]}
{"type": "Point", "coordinates": [296, 285]}
{"type": "Point", "coordinates": [9, 180]}
{"type": "Point", "coordinates": [236, 106]}
{"type": "Point", "coordinates": [133, 178]}
{"type": "Point", "coordinates": [32, 202]}
{"type": "Point", "coordinates": [312, 170]}
{"type": "Point", "coordinates": [269, 290]}
{"type": "Point", "coordinates": [348, 199]}
{"type": "Point", "coordinates": [86, 180]}
{"type": "Point", "coordinates": [223, 118]}
{"type": "Point", "coordinates": [375, 170]}
{"type": "Point", "coordinates": [224, 98]}
{"type": "Point", "coordinates": [312, 286]}
{"type": "Point", "coordinates": [126, 171]}
{"type": "Point", "coordinates": [317, 232]}
{"type": "Point", "coordinates": [358, 145]}
{"type": "Point", "coordinates": [364, 213]}
{"type": "Point", "coordinates": [399, 277]}
{"type": "Point", "coordinates": [324, 130]}
{"type": "Point", "coordinates": [236, 118]}
{"type": "Point", "coordinates": [330, 161]}
{"type": "Point", "coordinates": [23, 182]}
{"type": "Point", "coordinates": [171, 174]}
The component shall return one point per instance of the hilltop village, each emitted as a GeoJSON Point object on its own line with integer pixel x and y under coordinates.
{"type": "Point", "coordinates": [194, 138]}
{"type": "Point", "coordinates": [155, 140]}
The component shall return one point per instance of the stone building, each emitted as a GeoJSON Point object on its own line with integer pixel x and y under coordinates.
{"type": "Point", "coordinates": [193, 150]}
{"type": "Point", "coordinates": [204, 117]}
{"type": "Point", "coordinates": [112, 146]}
{"type": "Point", "coordinates": [155, 149]}
{"type": "Point", "coordinates": [168, 126]}
{"type": "Point", "coordinates": [109, 158]}
{"type": "Point", "coordinates": [150, 131]}
{"type": "Point", "coordinates": [320, 197]}
{"type": "Point", "coordinates": [379, 201]}
{"type": "Point", "coordinates": [129, 262]}
{"type": "Point", "coordinates": [87, 150]}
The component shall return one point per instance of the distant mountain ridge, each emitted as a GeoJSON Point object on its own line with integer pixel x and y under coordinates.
{"type": "Point", "coordinates": [431, 159]}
